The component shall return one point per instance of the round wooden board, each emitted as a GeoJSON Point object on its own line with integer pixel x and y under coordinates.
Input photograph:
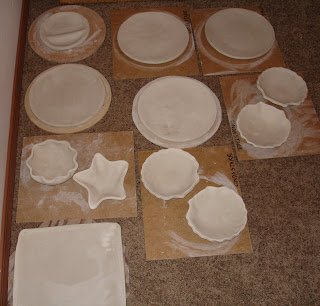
{"type": "Point", "coordinates": [71, 129]}
{"type": "Point", "coordinates": [88, 47]}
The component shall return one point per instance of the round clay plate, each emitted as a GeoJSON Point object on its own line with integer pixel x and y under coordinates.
{"type": "Point", "coordinates": [239, 33]}
{"type": "Point", "coordinates": [176, 112]}
{"type": "Point", "coordinates": [43, 106]}
{"type": "Point", "coordinates": [153, 37]}
{"type": "Point", "coordinates": [94, 40]}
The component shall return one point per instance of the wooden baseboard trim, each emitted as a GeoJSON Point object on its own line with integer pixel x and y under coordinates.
{"type": "Point", "coordinates": [11, 157]}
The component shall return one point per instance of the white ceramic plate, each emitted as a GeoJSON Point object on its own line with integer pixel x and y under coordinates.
{"type": "Point", "coordinates": [153, 37]}
{"type": "Point", "coordinates": [72, 265]}
{"type": "Point", "coordinates": [263, 125]}
{"type": "Point", "coordinates": [217, 214]}
{"type": "Point", "coordinates": [176, 112]}
{"type": "Point", "coordinates": [170, 173]}
{"type": "Point", "coordinates": [282, 86]}
{"type": "Point", "coordinates": [239, 33]}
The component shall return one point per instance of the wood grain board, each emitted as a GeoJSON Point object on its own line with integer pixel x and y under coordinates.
{"type": "Point", "coordinates": [167, 233]}
{"type": "Point", "coordinates": [304, 138]}
{"type": "Point", "coordinates": [38, 202]}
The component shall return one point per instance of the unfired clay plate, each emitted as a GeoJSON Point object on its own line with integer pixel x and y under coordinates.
{"type": "Point", "coordinates": [282, 86]}
{"type": "Point", "coordinates": [52, 162]}
{"type": "Point", "coordinates": [176, 112]}
{"type": "Point", "coordinates": [263, 125]}
{"type": "Point", "coordinates": [71, 265]}
{"type": "Point", "coordinates": [64, 30]}
{"type": "Point", "coordinates": [217, 214]}
{"type": "Point", "coordinates": [239, 33]}
{"type": "Point", "coordinates": [103, 180]}
{"type": "Point", "coordinates": [68, 98]}
{"type": "Point", "coordinates": [170, 173]}
{"type": "Point", "coordinates": [153, 37]}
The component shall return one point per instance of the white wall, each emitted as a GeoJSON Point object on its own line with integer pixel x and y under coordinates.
{"type": "Point", "coordinates": [10, 11]}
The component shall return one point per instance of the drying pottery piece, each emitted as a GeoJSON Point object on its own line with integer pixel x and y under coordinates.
{"type": "Point", "coordinates": [170, 173]}
{"type": "Point", "coordinates": [52, 162]}
{"type": "Point", "coordinates": [64, 30]}
{"type": "Point", "coordinates": [282, 86]}
{"type": "Point", "coordinates": [217, 214]}
{"type": "Point", "coordinates": [239, 33]}
{"type": "Point", "coordinates": [176, 112]}
{"type": "Point", "coordinates": [153, 37]}
{"type": "Point", "coordinates": [74, 265]}
{"type": "Point", "coordinates": [263, 126]}
{"type": "Point", "coordinates": [68, 98]}
{"type": "Point", "coordinates": [103, 180]}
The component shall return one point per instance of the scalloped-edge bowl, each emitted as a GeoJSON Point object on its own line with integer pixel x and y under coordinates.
{"type": "Point", "coordinates": [263, 126]}
{"type": "Point", "coordinates": [217, 214]}
{"type": "Point", "coordinates": [52, 162]}
{"type": "Point", "coordinates": [282, 86]}
{"type": "Point", "coordinates": [170, 173]}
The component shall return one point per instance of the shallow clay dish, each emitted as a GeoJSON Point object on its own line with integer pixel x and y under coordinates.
{"type": "Point", "coordinates": [263, 125]}
{"type": "Point", "coordinates": [52, 162]}
{"type": "Point", "coordinates": [170, 173]}
{"type": "Point", "coordinates": [239, 33]}
{"type": "Point", "coordinates": [103, 180]}
{"type": "Point", "coordinates": [282, 86]}
{"type": "Point", "coordinates": [217, 214]}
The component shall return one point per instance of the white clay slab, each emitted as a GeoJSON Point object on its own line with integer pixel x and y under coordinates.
{"type": "Point", "coordinates": [72, 265]}
{"type": "Point", "coordinates": [217, 214]}
{"type": "Point", "coordinates": [239, 33]}
{"type": "Point", "coordinates": [64, 30]}
{"type": "Point", "coordinates": [52, 162]}
{"type": "Point", "coordinates": [153, 37]}
{"type": "Point", "coordinates": [177, 112]}
{"type": "Point", "coordinates": [103, 180]}
{"type": "Point", "coordinates": [282, 86]}
{"type": "Point", "coordinates": [170, 173]}
{"type": "Point", "coordinates": [263, 125]}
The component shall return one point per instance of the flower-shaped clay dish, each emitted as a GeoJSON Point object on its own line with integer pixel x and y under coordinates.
{"type": "Point", "coordinates": [52, 162]}
{"type": "Point", "coordinates": [263, 125]}
{"type": "Point", "coordinates": [103, 180]}
{"type": "Point", "coordinates": [282, 86]}
{"type": "Point", "coordinates": [217, 214]}
{"type": "Point", "coordinates": [170, 173]}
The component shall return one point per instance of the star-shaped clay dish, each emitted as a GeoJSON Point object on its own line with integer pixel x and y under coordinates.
{"type": "Point", "coordinates": [103, 180]}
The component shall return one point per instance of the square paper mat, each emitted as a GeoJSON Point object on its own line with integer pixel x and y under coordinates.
{"type": "Point", "coordinates": [304, 138]}
{"type": "Point", "coordinates": [215, 63]}
{"type": "Point", "coordinates": [166, 230]}
{"type": "Point", "coordinates": [70, 265]}
{"type": "Point", "coordinates": [38, 202]}
{"type": "Point", "coordinates": [126, 68]}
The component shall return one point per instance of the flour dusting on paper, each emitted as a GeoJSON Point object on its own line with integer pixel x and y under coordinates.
{"type": "Point", "coordinates": [72, 197]}
{"type": "Point", "coordinates": [220, 179]}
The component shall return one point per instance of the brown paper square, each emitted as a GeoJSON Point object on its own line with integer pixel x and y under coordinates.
{"type": "Point", "coordinates": [126, 68]}
{"type": "Point", "coordinates": [167, 233]}
{"type": "Point", "coordinates": [38, 202]}
{"type": "Point", "coordinates": [304, 138]}
{"type": "Point", "coordinates": [215, 63]}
